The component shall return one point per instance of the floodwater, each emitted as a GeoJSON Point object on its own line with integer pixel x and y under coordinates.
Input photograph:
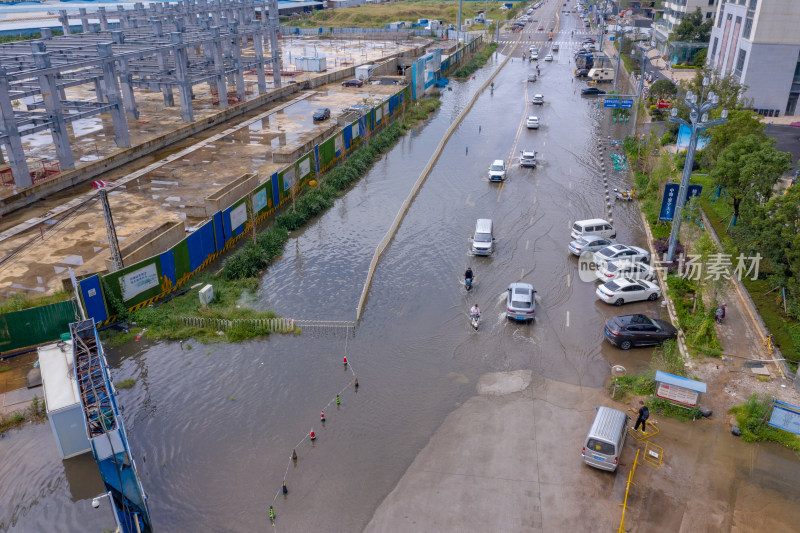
{"type": "Point", "coordinates": [213, 427]}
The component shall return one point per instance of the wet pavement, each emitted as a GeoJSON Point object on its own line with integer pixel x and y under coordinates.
{"type": "Point", "coordinates": [213, 427]}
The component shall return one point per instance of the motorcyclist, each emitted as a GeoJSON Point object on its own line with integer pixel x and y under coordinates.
{"type": "Point", "coordinates": [468, 275]}
{"type": "Point", "coordinates": [475, 312]}
{"type": "Point", "coordinates": [492, 85]}
{"type": "Point", "coordinates": [719, 314]}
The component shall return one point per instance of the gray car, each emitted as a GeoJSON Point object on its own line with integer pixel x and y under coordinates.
{"type": "Point", "coordinates": [620, 251]}
{"type": "Point", "coordinates": [520, 303]}
{"type": "Point", "coordinates": [589, 243]}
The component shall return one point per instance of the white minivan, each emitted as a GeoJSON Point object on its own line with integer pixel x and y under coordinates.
{"type": "Point", "coordinates": [593, 226]}
{"type": "Point", "coordinates": [603, 445]}
{"type": "Point", "coordinates": [483, 238]}
{"type": "Point", "coordinates": [497, 172]}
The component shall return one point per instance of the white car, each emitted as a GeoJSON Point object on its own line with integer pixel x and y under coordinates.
{"type": "Point", "coordinates": [538, 99]}
{"type": "Point", "coordinates": [620, 251]}
{"type": "Point", "coordinates": [532, 123]}
{"type": "Point", "coordinates": [527, 158]}
{"type": "Point", "coordinates": [589, 243]}
{"type": "Point", "coordinates": [534, 56]}
{"type": "Point", "coordinates": [548, 57]}
{"type": "Point", "coordinates": [627, 290]}
{"type": "Point", "coordinates": [624, 268]}
{"type": "Point", "coordinates": [497, 172]}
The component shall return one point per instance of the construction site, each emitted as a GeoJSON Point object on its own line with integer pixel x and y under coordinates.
{"type": "Point", "coordinates": [121, 140]}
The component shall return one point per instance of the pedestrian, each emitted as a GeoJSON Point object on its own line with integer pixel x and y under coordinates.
{"type": "Point", "coordinates": [644, 414]}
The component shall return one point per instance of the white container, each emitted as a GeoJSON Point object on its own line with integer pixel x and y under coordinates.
{"type": "Point", "coordinates": [206, 295]}
{"type": "Point", "coordinates": [311, 64]}
{"type": "Point", "coordinates": [364, 72]}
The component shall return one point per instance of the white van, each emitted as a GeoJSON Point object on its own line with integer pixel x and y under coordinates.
{"type": "Point", "coordinates": [593, 226]}
{"type": "Point", "coordinates": [601, 74]}
{"type": "Point", "coordinates": [497, 172]}
{"type": "Point", "coordinates": [483, 238]}
{"type": "Point", "coordinates": [603, 445]}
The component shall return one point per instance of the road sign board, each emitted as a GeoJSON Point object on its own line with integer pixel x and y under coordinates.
{"type": "Point", "coordinates": [693, 190]}
{"type": "Point", "coordinates": [669, 201]}
{"type": "Point", "coordinates": [626, 103]}
{"type": "Point", "coordinates": [785, 416]}
{"type": "Point", "coordinates": [611, 102]}
{"type": "Point", "coordinates": [611, 38]}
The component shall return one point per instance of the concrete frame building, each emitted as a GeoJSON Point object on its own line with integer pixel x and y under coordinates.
{"type": "Point", "coordinates": [758, 41]}
{"type": "Point", "coordinates": [674, 11]}
{"type": "Point", "coordinates": [162, 48]}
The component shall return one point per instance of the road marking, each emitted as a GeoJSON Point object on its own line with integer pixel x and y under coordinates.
{"type": "Point", "coordinates": [500, 190]}
{"type": "Point", "coordinates": [522, 274]}
{"type": "Point", "coordinates": [569, 280]}
{"type": "Point", "coordinates": [567, 318]}
{"type": "Point", "coordinates": [531, 221]}
{"type": "Point", "coordinates": [527, 244]}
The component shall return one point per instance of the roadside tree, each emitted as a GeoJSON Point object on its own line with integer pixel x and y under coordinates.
{"type": "Point", "coordinates": [693, 28]}
{"type": "Point", "coordinates": [741, 122]}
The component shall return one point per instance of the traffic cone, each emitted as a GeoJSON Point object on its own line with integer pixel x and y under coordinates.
{"type": "Point", "coordinates": [356, 382]}
{"type": "Point", "coordinates": [338, 402]}
{"type": "Point", "coordinates": [285, 490]}
{"type": "Point", "coordinates": [322, 416]}
{"type": "Point", "coordinates": [345, 360]}
{"type": "Point", "coordinates": [294, 455]}
{"type": "Point", "coordinates": [271, 513]}
{"type": "Point", "coordinates": [311, 435]}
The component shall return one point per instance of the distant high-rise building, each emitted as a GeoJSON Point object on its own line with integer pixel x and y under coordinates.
{"type": "Point", "coordinates": [674, 11]}
{"type": "Point", "coordinates": [758, 41]}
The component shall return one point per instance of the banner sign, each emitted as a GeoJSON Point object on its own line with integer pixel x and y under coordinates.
{"type": "Point", "coordinates": [785, 416]}
{"type": "Point", "coordinates": [139, 281]}
{"type": "Point", "coordinates": [677, 394]}
{"type": "Point", "coordinates": [238, 216]}
{"type": "Point", "coordinates": [260, 200]}
{"type": "Point", "coordinates": [669, 201]}
{"type": "Point", "coordinates": [305, 168]}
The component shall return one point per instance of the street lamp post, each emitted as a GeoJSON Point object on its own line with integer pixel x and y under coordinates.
{"type": "Point", "coordinates": [700, 107]}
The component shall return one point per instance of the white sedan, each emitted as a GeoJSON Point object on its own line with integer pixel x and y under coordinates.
{"type": "Point", "coordinates": [625, 268]}
{"type": "Point", "coordinates": [620, 251]}
{"type": "Point", "coordinates": [626, 290]}
{"type": "Point", "coordinates": [548, 57]}
{"type": "Point", "coordinates": [532, 123]}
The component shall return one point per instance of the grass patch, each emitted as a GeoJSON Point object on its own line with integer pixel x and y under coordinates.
{"type": "Point", "coordinates": [4, 368]}
{"type": "Point", "coordinates": [696, 321]}
{"type": "Point", "coordinates": [641, 385]}
{"type": "Point", "coordinates": [18, 302]}
{"type": "Point", "coordinates": [35, 412]}
{"type": "Point", "coordinates": [478, 60]}
{"type": "Point", "coordinates": [671, 410]}
{"type": "Point", "coordinates": [751, 417]}
{"type": "Point", "coordinates": [125, 383]}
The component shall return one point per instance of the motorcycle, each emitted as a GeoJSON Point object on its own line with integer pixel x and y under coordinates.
{"type": "Point", "coordinates": [475, 320]}
{"type": "Point", "coordinates": [468, 283]}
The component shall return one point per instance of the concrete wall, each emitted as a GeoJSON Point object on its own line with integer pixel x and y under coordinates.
{"type": "Point", "coordinates": [232, 192]}
{"type": "Point", "coordinates": [152, 243]}
{"type": "Point", "coordinates": [768, 74]}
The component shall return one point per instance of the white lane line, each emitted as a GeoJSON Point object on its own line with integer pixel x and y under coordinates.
{"type": "Point", "coordinates": [567, 318]}
{"type": "Point", "coordinates": [569, 280]}
{"type": "Point", "coordinates": [527, 243]}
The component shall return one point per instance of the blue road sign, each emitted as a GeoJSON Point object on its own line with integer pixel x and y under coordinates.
{"type": "Point", "coordinates": [626, 103]}
{"type": "Point", "coordinates": [693, 190]}
{"type": "Point", "coordinates": [669, 202]}
{"type": "Point", "coordinates": [611, 102]}
{"type": "Point", "coordinates": [785, 416]}
{"type": "Point", "coordinates": [611, 38]}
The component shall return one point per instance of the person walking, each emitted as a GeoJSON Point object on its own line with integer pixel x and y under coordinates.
{"type": "Point", "coordinates": [644, 414]}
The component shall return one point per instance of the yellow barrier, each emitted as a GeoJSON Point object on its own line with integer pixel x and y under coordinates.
{"type": "Point", "coordinates": [624, 504]}
{"type": "Point", "coordinates": [418, 184]}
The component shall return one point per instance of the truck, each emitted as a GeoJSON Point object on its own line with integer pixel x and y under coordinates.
{"type": "Point", "coordinates": [601, 74]}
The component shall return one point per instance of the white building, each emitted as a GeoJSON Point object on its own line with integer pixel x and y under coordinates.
{"type": "Point", "coordinates": [758, 41]}
{"type": "Point", "coordinates": [674, 11]}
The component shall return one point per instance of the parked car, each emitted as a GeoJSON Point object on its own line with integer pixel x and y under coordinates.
{"type": "Point", "coordinates": [353, 83]}
{"type": "Point", "coordinates": [538, 99]}
{"type": "Point", "coordinates": [581, 72]}
{"type": "Point", "coordinates": [527, 158]}
{"type": "Point", "coordinates": [548, 57]}
{"type": "Point", "coordinates": [497, 172]}
{"type": "Point", "coordinates": [620, 251]}
{"type": "Point", "coordinates": [638, 330]}
{"type": "Point", "coordinates": [627, 290]}
{"type": "Point", "coordinates": [592, 91]}
{"type": "Point", "coordinates": [323, 113]}
{"type": "Point", "coordinates": [520, 301]}
{"type": "Point", "coordinates": [532, 123]}
{"type": "Point", "coordinates": [624, 268]}
{"type": "Point", "coordinates": [589, 243]}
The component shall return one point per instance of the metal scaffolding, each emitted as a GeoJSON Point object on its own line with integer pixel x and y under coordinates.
{"type": "Point", "coordinates": [161, 48]}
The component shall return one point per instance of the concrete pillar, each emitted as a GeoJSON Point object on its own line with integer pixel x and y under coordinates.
{"type": "Point", "coordinates": [123, 18]}
{"type": "Point", "coordinates": [139, 8]}
{"type": "Point", "coordinates": [52, 104]}
{"type": "Point", "coordinates": [16, 155]}
{"type": "Point", "coordinates": [63, 18]}
{"type": "Point", "coordinates": [274, 26]}
{"type": "Point", "coordinates": [47, 33]}
{"type": "Point", "coordinates": [98, 90]}
{"type": "Point", "coordinates": [219, 67]}
{"type": "Point", "coordinates": [101, 14]}
{"type": "Point", "coordinates": [84, 19]}
{"type": "Point", "coordinates": [113, 97]}
{"type": "Point", "coordinates": [162, 59]}
{"type": "Point", "coordinates": [258, 47]}
{"type": "Point", "coordinates": [125, 79]}
{"type": "Point", "coordinates": [238, 72]}
{"type": "Point", "coordinates": [182, 75]}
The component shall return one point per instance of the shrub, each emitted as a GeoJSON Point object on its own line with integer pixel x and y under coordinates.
{"type": "Point", "coordinates": [751, 417]}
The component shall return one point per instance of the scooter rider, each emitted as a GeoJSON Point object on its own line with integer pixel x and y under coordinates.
{"type": "Point", "coordinates": [468, 274]}
{"type": "Point", "coordinates": [475, 312]}
{"type": "Point", "coordinates": [719, 314]}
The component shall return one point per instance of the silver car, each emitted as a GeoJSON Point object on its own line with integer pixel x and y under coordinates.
{"type": "Point", "coordinates": [589, 243]}
{"type": "Point", "coordinates": [625, 268]}
{"type": "Point", "coordinates": [527, 158]}
{"type": "Point", "coordinates": [620, 251]}
{"type": "Point", "coordinates": [520, 302]}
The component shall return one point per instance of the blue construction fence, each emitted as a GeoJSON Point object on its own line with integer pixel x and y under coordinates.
{"type": "Point", "coordinates": [151, 279]}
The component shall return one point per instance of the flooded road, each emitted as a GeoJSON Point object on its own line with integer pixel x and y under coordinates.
{"type": "Point", "coordinates": [213, 427]}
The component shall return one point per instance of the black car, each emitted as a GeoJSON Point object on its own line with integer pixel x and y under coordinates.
{"type": "Point", "coordinates": [353, 83]}
{"type": "Point", "coordinates": [323, 113]}
{"type": "Point", "coordinates": [638, 330]}
{"type": "Point", "coordinates": [592, 91]}
{"type": "Point", "coordinates": [581, 72]}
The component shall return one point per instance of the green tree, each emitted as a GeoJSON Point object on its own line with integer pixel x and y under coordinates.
{"type": "Point", "coordinates": [741, 122]}
{"type": "Point", "coordinates": [776, 228]}
{"type": "Point", "coordinates": [663, 89]}
{"type": "Point", "coordinates": [693, 29]}
{"type": "Point", "coordinates": [748, 168]}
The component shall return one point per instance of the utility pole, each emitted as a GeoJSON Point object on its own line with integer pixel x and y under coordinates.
{"type": "Point", "coordinates": [458, 30]}
{"type": "Point", "coordinates": [699, 122]}
{"type": "Point", "coordinates": [113, 243]}
{"type": "Point", "coordinates": [644, 59]}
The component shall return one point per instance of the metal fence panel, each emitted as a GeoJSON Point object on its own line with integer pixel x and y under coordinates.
{"type": "Point", "coordinates": [37, 325]}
